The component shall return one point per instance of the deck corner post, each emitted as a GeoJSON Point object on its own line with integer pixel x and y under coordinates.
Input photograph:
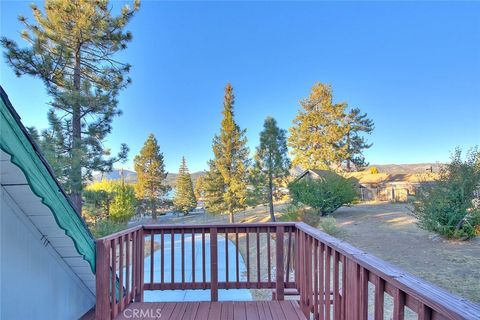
{"type": "Point", "coordinates": [102, 273]}
{"type": "Point", "coordinates": [213, 264]}
{"type": "Point", "coordinates": [140, 263]}
{"type": "Point", "coordinates": [280, 273]}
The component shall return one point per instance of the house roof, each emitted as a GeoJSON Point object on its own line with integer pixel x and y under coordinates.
{"type": "Point", "coordinates": [316, 172]}
{"type": "Point", "coordinates": [29, 180]}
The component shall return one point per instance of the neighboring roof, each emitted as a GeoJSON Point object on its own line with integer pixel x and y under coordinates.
{"type": "Point", "coordinates": [316, 173]}
{"type": "Point", "coordinates": [16, 144]}
{"type": "Point", "coordinates": [365, 177]}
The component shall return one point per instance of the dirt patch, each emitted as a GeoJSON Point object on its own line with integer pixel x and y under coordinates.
{"type": "Point", "coordinates": [391, 233]}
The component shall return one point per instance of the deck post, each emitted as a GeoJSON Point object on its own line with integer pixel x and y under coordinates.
{"type": "Point", "coordinates": [102, 266]}
{"type": "Point", "coordinates": [214, 265]}
{"type": "Point", "coordinates": [140, 266]}
{"type": "Point", "coordinates": [279, 283]}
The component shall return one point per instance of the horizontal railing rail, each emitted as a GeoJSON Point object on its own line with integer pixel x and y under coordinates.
{"type": "Point", "coordinates": [331, 279]}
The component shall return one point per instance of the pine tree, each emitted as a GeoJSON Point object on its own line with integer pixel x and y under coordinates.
{"type": "Point", "coordinates": [151, 175]}
{"type": "Point", "coordinates": [271, 158]}
{"type": "Point", "coordinates": [184, 199]}
{"type": "Point", "coordinates": [226, 180]}
{"type": "Point", "coordinates": [318, 135]}
{"type": "Point", "coordinates": [71, 48]}
{"type": "Point", "coordinates": [358, 124]}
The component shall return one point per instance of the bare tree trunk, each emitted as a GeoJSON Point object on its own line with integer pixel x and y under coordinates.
{"type": "Point", "coordinates": [76, 156]}
{"type": "Point", "coordinates": [270, 197]}
{"type": "Point", "coordinates": [230, 216]}
{"type": "Point", "coordinates": [349, 165]}
{"type": "Point", "coordinates": [154, 210]}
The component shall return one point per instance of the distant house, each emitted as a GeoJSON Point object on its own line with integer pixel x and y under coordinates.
{"type": "Point", "coordinates": [47, 256]}
{"type": "Point", "coordinates": [315, 174]}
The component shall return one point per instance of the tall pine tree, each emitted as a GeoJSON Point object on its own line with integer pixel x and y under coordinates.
{"type": "Point", "coordinates": [358, 125]}
{"type": "Point", "coordinates": [318, 132]}
{"type": "Point", "coordinates": [151, 175]}
{"type": "Point", "coordinates": [71, 48]}
{"type": "Point", "coordinates": [225, 182]}
{"type": "Point", "coordinates": [271, 158]}
{"type": "Point", "coordinates": [184, 200]}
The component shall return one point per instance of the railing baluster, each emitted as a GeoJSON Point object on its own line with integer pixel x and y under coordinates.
{"type": "Point", "coordinates": [398, 305]}
{"type": "Point", "coordinates": [247, 252]}
{"type": "Point", "coordinates": [336, 286]}
{"type": "Point", "coordinates": [172, 259]}
{"type": "Point", "coordinates": [162, 255]}
{"type": "Point", "coordinates": [237, 263]}
{"type": "Point", "coordinates": [269, 252]}
{"type": "Point", "coordinates": [203, 260]}
{"type": "Point", "coordinates": [134, 265]}
{"type": "Point", "coordinates": [141, 265]}
{"type": "Point", "coordinates": [287, 272]}
{"type": "Point", "coordinates": [226, 257]}
{"type": "Point", "coordinates": [102, 309]}
{"type": "Point", "coordinates": [183, 258]}
{"type": "Point", "coordinates": [424, 312]}
{"type": "Point", "coordinates": [327, 282]}
{"type": "Point", "coordinates": [379, 297]}
{"type": "Point", "coordinates": [258, 259]}
{"type": "Point", "coordinates": [114, 278]}
{"type": "Point", "coordinates": [193, 255]}
{"type": "Point", "coordinates": [315, 280]}
{"type": "Point", "coordinates": [213, 265]}
{"type": "Point", "coordinates": [279, 287]}
{"type": "Point", "coordinates": [120, 275]}
{"type": "Point", "coordinates": [152, 252]}
{"type": "Point", "coordinates": [363, 313]}
{"type": "Point", "coordinates": [308, 258]}
{"type": "Point", "coordinates": [127, 270]}
{"type": "Point", "coordinates": [344, 286]}
{"type": "Point", "coordinates": [322, 281]}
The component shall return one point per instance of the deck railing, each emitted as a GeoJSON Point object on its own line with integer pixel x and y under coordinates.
{"type": "Point", "coordinates": [330, 278]}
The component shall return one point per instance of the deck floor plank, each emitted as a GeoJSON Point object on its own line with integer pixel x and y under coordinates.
{"type": "Point", "coordinates": [215, 311]}
{"type": "Point", "coordinates": [191, 311]}
{"type": "Point", "coordinates": [228, 310]}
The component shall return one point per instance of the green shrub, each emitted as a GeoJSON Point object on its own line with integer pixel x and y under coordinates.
{"type": "Point", "coordinates": [446, 207]}
{"type": "Point", "coordinates": [292, 213]}
{"type": "Point", "coordinates": [324, 195]}
{"type": "Point", "coordinates": [329, 225]}
{"type": "Point", "coordinates": [297, 212]}
{"type": "Point", "coordinates": [106, 227]}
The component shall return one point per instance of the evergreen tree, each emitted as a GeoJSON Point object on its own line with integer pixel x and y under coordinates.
{"type": "Point", "coordinates": [318, 134]}
{"type": "Point", "coordinates": [358, 124]}
{"type": "Point", "coordinates": [184, 199]}
{"type": "Point", "coordinates": [199, 187]}
{"type": "Point", "coordinates": [151, 175]}
{"type": "Point", "coordinates": [271, 158]}
{"type": "Point", "coordinates": [226, 181]}
{"type": "Point", "coordinates": [213, 189]}
{"type": "Point", "coordinates": [109, 199]}
{"type": "Point", "coordinates": [71, 48]}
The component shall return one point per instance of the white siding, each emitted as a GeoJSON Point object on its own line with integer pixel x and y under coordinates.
{"type": "Point", "coordinates": [35, 282]}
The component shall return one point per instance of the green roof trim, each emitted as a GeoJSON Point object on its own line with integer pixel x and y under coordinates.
{"type": "Point", "coordinates": [25, 154]}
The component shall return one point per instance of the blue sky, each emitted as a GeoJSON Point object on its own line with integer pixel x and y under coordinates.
{"type": "Point", "coordinates": [414, 67]}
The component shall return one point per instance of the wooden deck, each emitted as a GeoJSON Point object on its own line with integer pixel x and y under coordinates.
{"type": "Point", "coordinates": [251, 310]}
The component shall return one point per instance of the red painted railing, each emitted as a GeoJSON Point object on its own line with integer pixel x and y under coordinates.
{"type": "Point", "coordinates": [330, 278]}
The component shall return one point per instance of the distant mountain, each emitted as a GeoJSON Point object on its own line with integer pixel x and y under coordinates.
{"type": "Point", "coordinates": [407, 168]}
{"type": "Point", "coordinates": [131, 176]}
